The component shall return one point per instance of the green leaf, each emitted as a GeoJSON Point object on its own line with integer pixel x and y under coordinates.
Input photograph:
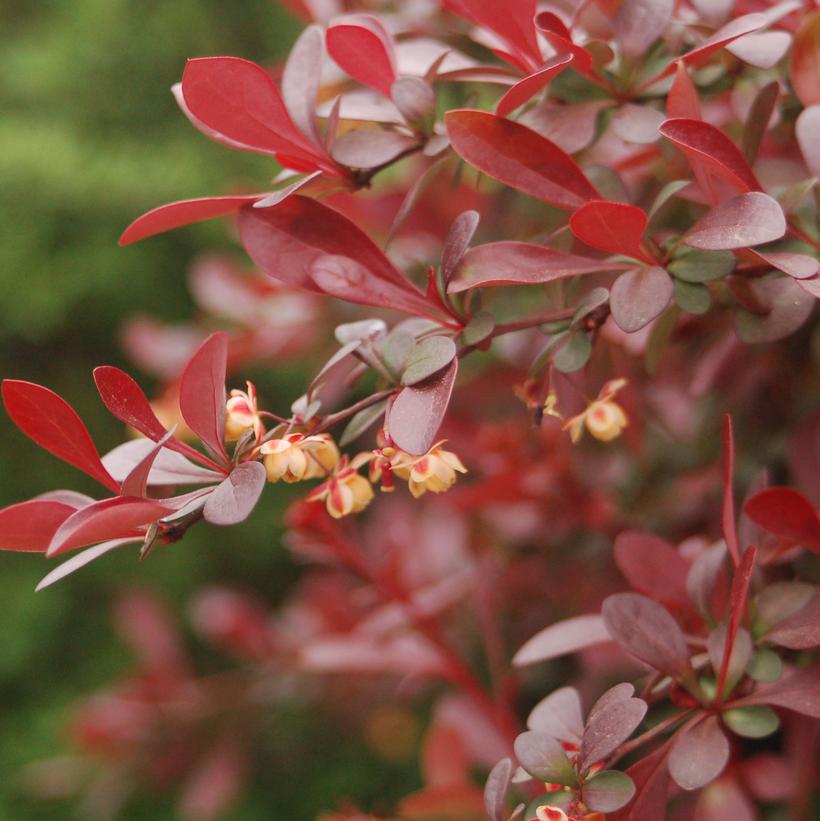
{"type": "Point", "coordinates": [480, 326]}
{"type": "Point", "coordinates": [395, 350]}
{"type": "Point", "coordinates": [574, 354]}
{"type": "Point", "coordinates": [428, 358]}
{"type": "Point", "coordinates": [766, 665]}
{"type": "Point", "coordinates": [560, 798]}
{"type": "Point", "coordinates": [608, 791]}
{"type": "Point", "coordinates": [665, 194]}
{"type": "Point", "coordinates": [588, 303]}
{"type": "Point", "coordinates": [544, 758]}
{"type": "Point", "coordinates": [693, 265]}
{"type": "Point", "coordinates": [756, 721]}
{"type": "Point", "coordinates": [692, 297]}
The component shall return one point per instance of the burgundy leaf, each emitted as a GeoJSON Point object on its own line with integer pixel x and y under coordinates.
{"type": "Point", "coordinates": [709, 148]}
{"type": "Point", "coordinates": [519, 157]}
{"type": "Point", "coordinates": [184, 212]}
{"type": "Point", "coordinates": [234, 500]}
{"type": "Point", "coordinates": [638, 296]}
{"type": "Point", "coordinates": [559, 715]}
{"type": "Point", "coordinates": [29, 526]}
{"type": "Point", "coordinates": [704, 579]}
{"type": "Point", "coordinates": [648, 632]}
{"type": "Point", "coordinates": [799, 691]}
{"type": "Point", "coordinates": [135, 482]}
{"type": "Point", "coordinates": [748, 219]}
{"type": "Point", "coordinates": [804, 62]}
{"type": "Point", "coordinates": [308, 245]}
{"type": "Point", "coordinates": [806, 128]}
{"type": "Point", "coordinates": [699, 754]}
{"type": "Point", "coordinates": [787, 514]}
{"type": "Point", "coordinates": [527, 88]}
{"type": "Point", "coordinates": [300, 81]}
{"type": "Point", "coordinates": [789, 303]}
{"type": "Point", "coordinates": [457, 242]}
{"type": "Point", "coordinates": [651, 779]}
{"type": "Point", "coordinates": [565, 636]}
{"type": "Point", "coordinates": [757, 120]}
{"type": "Point", "coordinates": [544, 758]}
{"type": "Point", "coordinates": [363, 48]}
{"type": "Point", "coordinates": [116, 518]}
{"type": "Point", "coordinates": [415, 416]}
{"type": "Point", "coordinates": [370, 147]}
{"type": "Point", "coordinates": [506, 262]}
{"type": "Point", "coordinates": [614, 227]}
{"type": "Point", "coordinates": [81, 560]}
{"type": "Point", "coordinates": [495, 790]}
{"type": "Point", "coordinates": [238, 99]}
{"type": "Point", "coordinates": [609, 727]}
{"type": "Point", "coordinates": [801, 630]}
{"type": "Point", "coordinates": [608, 791]}
{"type": "Point", "coordinates": [728, 518]}
{"type": "Point", "coordinates": [620, 692]}
{"type": "Point", "coordinates": [55, 426]}
{"type": "Point", "coordinates": [202, 394]}
{"type": "Point", "coordinates": [652, 567]}
{"type": "Point", "coordinates": [639, 23]}
{"type": "Point", "coordinates": [797, 266]}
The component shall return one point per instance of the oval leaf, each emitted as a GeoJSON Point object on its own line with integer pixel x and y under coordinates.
{"type": "Point", "coordinates": [611, 725]}
{"type": "Point", "coordinates": [563, 637]}
{"type": "Point", "coordinates": [743, 221]}
{"type": "Point", "coordinates": [608, 791]}
{"type": "Point", "coordinates": [699, 754]}
{"type": "Point", "coordinates": [652, 567]}
{"type": "Point", "coordinates": [233, 501]}
{"type": "Point", "coordinates": [544, 758]}
{"type": "Point", "coordinates": [361, 46]}
{"type": "Point", "coordinates": [614, 227]}
{"type": "Point", "coordinates": [427, 358]}
{"type": "Point", "coordinates": [638, 296]}
{"type": "Point", "coordinates": [559, 715]}
{"type": "Point", "coordinates": [29, 526]}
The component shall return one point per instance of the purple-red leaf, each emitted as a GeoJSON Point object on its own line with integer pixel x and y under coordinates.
{"type": "Point", "coordinates": [799, 691]}
{"type": "Point", "coordinates": [185, 212]}
{"type": "Point", "coordinates": [745, 220]}
{"type": "Point", "coordinates": [610, 725]}
{"type": "Point", "coordinates": [639, 23]}
{"type": "Point", "coordinates": [202, 394]}
{"type": "Point", "coordinates": [647, 631]}
{"type": "Point", "coordinates": [519, 157]}
{"type": "Point", "coordinates": [804, 62]}
{"type": "Point", "coordinates": [527, 88]}
{"type": "Point", "coordinates": [614, 227]}
{"type": "Point", "coordinates": [55, 426]}
{"type": "Point", "coordinates": [786, 513]}
{"type": "Point", "coordinates": [116, 518]}
{"type": "Point", "coordinates": [457, 242]}
{"type": "Point", "coordinates": [234, 500]}
{"type": "Point", "coordinates": [29, 526]}
{"type": "Point", "coordinates": [363, 48]}
{"type": "Point", "coordinates": [638, 296]}
{"type": "Point", "coordinates": [135, 482]}
{"type": "Point", "coordinates": [559, 715]}
{"type": "Point", "coordinates": [652, 567]}
{"type": "Point", "coordinates": [308, 245]}
{"type": "Point", "coordinates": [699, 754]}
{"type": "Point", "coordinates": [708, 147]}
{"type": "Point", "coordinates": [544, 758]}
{"type": "Point", "coordinates": [415, 416]}
{"type": "Point", "coordinates": [565, 636]}
{"type": "Point", "coordinates": [728, 518]}
{"type": "Point", "coordinates": [608, 791]}
{"type": "Point", "coordinates": [801, 630]}
{"type": "Point", "coordinates": [524, 263]}
{"type": "Point", "coordinates": [495, 790]}
{"type": "Point", "coordinates": [651, 779]}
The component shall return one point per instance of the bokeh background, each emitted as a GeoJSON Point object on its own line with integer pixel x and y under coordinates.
{"type": "Point", "coordinates": [90, 137]}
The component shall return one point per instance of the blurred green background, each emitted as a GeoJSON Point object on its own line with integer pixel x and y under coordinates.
{"type": "Point", "coordinates": [90, 137]}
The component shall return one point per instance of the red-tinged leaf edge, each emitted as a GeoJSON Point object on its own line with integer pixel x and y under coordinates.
{"type": "Point", "coordinates": [362, 47]}
{"type": "Point", "coordinates": [29, 526]}
{"type": "Point", "coordinates": [47, 419]}
{"type": "Point", "coordinates": [729, 520]}
{"type": "Point", "coordinates": [234, 499]}
{"type": "Point", "coordinates": [202, 394]}
{"type": "Point", "coordinates": [614, 227]}
{"type": "Point", "coordinates": [185, 212]}
{"type": "Point", "coordinates": [787, 514]}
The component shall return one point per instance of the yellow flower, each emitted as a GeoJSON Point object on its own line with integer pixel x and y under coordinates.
{"type": "Point", "coordinates": [344, 492]}
{"type": "Point", "coordinates": [604, 419]}
{"type": "Point", "coordinates": [241, 414]}
{"type": "Point", "coordinates": [297, 457]}
{"type": "Point", "coordinates": [434, 471]}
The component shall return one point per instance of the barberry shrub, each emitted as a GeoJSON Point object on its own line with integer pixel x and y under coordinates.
{"type": "Point", "coordinates": [561, 246]}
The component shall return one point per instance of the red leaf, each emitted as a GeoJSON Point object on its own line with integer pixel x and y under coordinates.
{"type": "Point", "coordinates": [202, 394]}
{"type": "Point", "coordinates": [745, 220]}
{"type": "Point", "coordinates": [638, 296]}
{"type": "Point", "coordinates": [363, 48]}
{"type": "Point", "coordinates": [415, 416]}
{"type": "Point", "coordinates": [563, 637]}
{"type": "Point", "coordinates": [309, 245]}
{"type": "Point", "coordinates": [708, 147]}
{"type": "Point", "coordinates": [185, 212]}
{"type": "Point", "coordinates": [787, 514]}
{"type": "Point", "coordinates": [728, 518]}
{"type": "Point", "coordinates": [806, 128]}
{"type": "Point", "coordinates": [29, 526]}
{"type": "Point", "coordinates": [652, 567]}
{"type": "Point", "coordinates": [238, 99]}
{"type": "Point", "coordinates": [300, 81]}
{"type": "Point", "coordinates": [699, 754]}
{"type": "Point", "coordinates": [54, 425]}
{"type": "Point", "coordinates": [639, 23]}
{"type": "Point", "coordinates": [502, 263]}
{"type": "Point", "coordinates": [116, 518]}
{"type": "Point", "coordinates": [737, 607]}
{"type": "Point", "coordinates": [799, 691]}
{"type": "Point", "coordinates": [804, 64]}
{"type": "Point", "coordinates": [527, 88]}
{"type": "Point", "coordinates": [519, 157]}
{"type": "Point", "coordinates": [125, 401]}
{"type": "Point", "coordinates": [457, 242]}
{"type": "Point", "coordinates": [136, 481]}
{"type": "Point", "coordinates": [647, 631]}
{"type": "Point", "coordinates": [512, 22]}
{"type": "Point", "coordinates": [234, 500]}
{"type": "Point", "coordinates": [610, 725]}
{"type": "Point", "coordinates": [651, 780]}
{"type": "Point", "coordinates": [801, 630]}
{"type": "Point", "coordinates": [614, 227]}
{"type": "Point", "coordinates": [682, 100]}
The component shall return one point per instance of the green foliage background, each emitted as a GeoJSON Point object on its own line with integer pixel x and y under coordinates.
{"type": "Point", "coordinates": [90, 137]}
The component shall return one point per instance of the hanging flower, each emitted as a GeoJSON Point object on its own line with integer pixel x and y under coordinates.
{"type": "Point", "coordinates": [297, 457]}
{"type": "Point", "coordinates": [434, 471]}
{"type": "Point", "coordinates": [604, 419]}
{"type": "Point", "coordinates": [242, 414]}
{"type": "Point", "coordinates": [345, 492]}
